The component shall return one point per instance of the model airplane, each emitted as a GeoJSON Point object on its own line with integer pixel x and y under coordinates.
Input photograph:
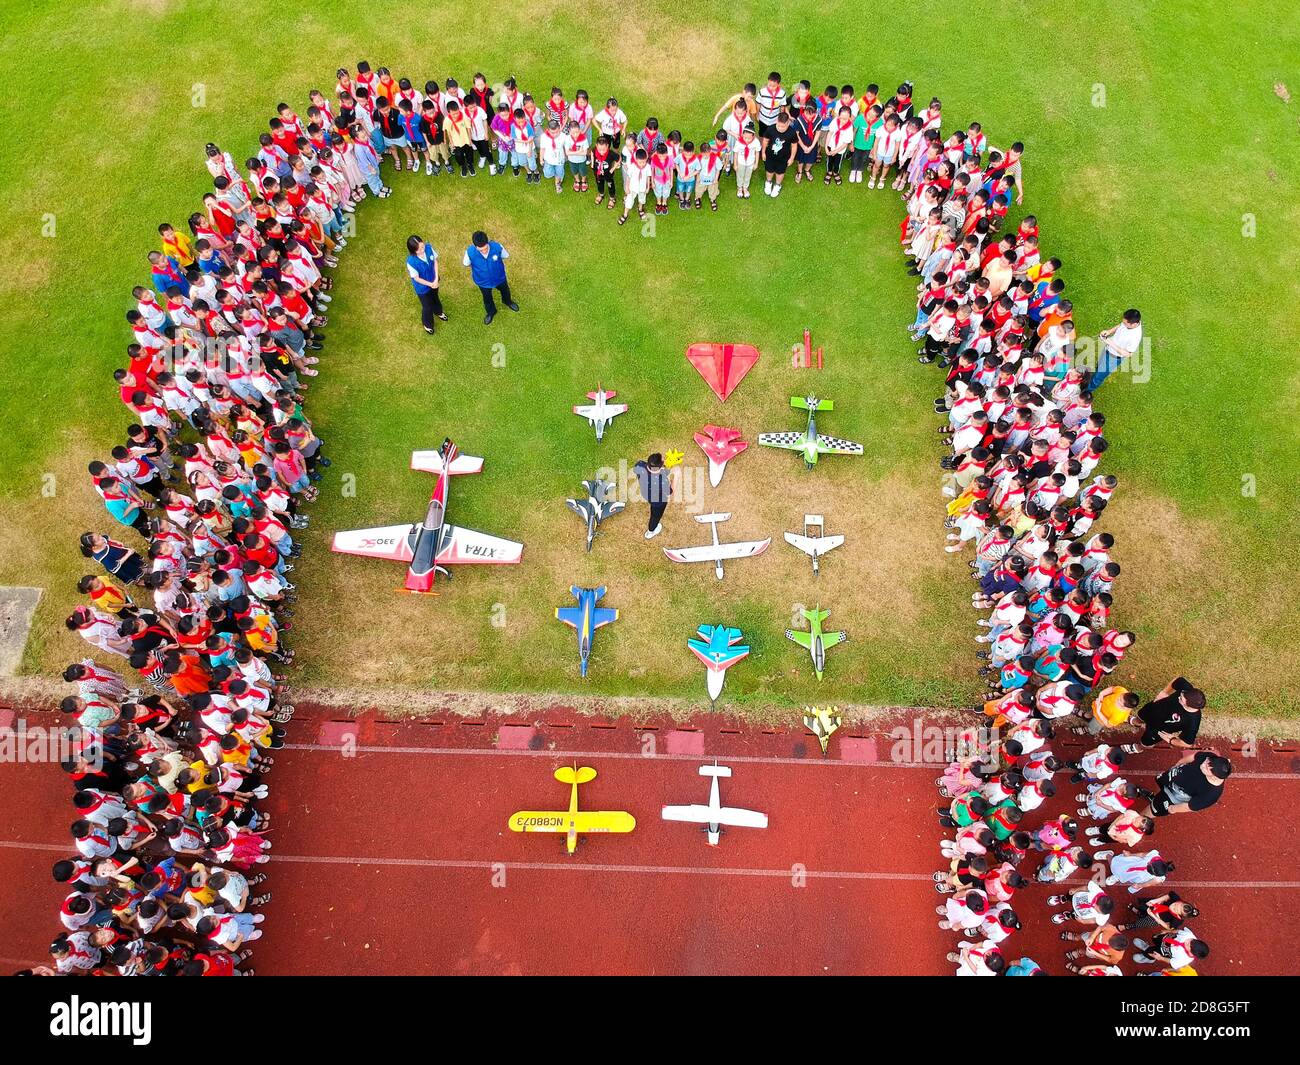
{"type": "Point", "coordinates": [595, 508]}
{"type": "Point", "coordinates": [572, 822]}
{"type": "Point", "coordinates": [717, 552]}
{"type": "Point", "coordinates": [816, 642]}
{"type": "Point", "coordinates": [811, 443]}
{"type": "Point", "coordinates": [822, 722]}
{"type": "Point", "coordinates": [720, 445]}
{"type": "Point", "coordinates": [719, 648]}
{"type": "Point", "coordinates": [723, 366]}
{"type": "Point", "coordinates": [814, 545]}
{"type": "Point", "coordinates": [430, 546]}
{"type": "Point", "coordinates": [586, 618]}
{"type": "Point", "coordinates": [600, 413]}
{"type": "Point", "coordinates": [715, 815]}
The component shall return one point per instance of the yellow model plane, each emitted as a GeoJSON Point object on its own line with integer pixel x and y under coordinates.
{"type": "Point", "coordinates": [572, 822]}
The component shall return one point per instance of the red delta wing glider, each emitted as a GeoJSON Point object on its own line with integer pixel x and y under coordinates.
{"type": "Point", "coordinates": [433, 544]}
{"type": "Point", "coordinates": [723, 366]}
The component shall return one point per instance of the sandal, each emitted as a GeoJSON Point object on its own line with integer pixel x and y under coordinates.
{"type": "Point", "coordinates": [622, 219]}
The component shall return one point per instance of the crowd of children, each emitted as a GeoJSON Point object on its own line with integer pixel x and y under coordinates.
{"type": "Point", "coordinates": [170, 756]}
{"type": "Point", "coordinates": [213, 472]}
{"type": "Point", "coordinates": [1021, 442]}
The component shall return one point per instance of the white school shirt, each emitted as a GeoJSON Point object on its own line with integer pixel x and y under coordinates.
{"type": "Point", "coordinates": [478, 124]}
{"type": "Point", "coordinates": [576, 147]}
{"type": "Point", "coordinates": [610, 124]}
{"type": "Point", "coordinates": [838, 138]}
{"type": "Point", "coordinates": [734, 126]}
{"type": "Point", "coordinates": [636, 178]}
{"type": "Point", "coordinates": [552, 148]}
{"type": "Point", "coordinates": [746, 154]}
{"type": "Point", "coordinates": [887, 144]}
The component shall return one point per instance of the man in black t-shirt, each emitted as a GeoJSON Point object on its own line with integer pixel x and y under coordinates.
{"type": "Point", "coordinates": [1195, 783]}
{"type": "Point", "coordinates": [1173, 717]}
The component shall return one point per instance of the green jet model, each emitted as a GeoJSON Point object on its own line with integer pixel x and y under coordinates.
{"type": "Point", "coordinates": [816, 642]}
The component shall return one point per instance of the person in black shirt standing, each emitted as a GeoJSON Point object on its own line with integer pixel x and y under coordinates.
{"type": "Point", "coordinates": [1195, 783]}
{"type": "Point", "coordinates": [1173, 716]}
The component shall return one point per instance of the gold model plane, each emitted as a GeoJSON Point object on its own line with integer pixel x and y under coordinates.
{"type": "Point", "coordinates": [572, 822]}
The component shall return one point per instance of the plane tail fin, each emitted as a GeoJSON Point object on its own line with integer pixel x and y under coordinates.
{"type": "Point", "coordinates": [715, 771]}
{"type": "Point", "coordinates": [569, 774]}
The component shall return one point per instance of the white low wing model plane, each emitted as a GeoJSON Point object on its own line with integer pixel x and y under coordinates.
{"type": "Point", "coordinates": [716, 552]}
{"type": "Point", "coordinates": [714, 816]}
{"type": "Point", "coordinates": [430, 546]}
{"type": "Point", "coordinates": [814, 542]}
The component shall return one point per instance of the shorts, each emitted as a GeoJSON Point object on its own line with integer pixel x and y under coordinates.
{"type": "Point", "coordinates": [663, 188]}
{"type": "Point", "coordinates": [776, 165]}
{"type": "Point", "coordinates": [886, 160]}
{"type": "Point", "coordinates": [419, 144]}
{"type": "Point", "coordinates": [396, 142]}
{"type": "Point", "coordinates": [579, 167]}
{"type": "Point", "coordinates": [553, 170]}
{"type": "Point", "coordinates": [633, 197]}
{"type": "Point", "coordinates": [685, 189]}
{"type": "Point", "coordinates": [806, 157]}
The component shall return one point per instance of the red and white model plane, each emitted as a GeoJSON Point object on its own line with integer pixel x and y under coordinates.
{"type": "Point", "coordinates": [430, 546]}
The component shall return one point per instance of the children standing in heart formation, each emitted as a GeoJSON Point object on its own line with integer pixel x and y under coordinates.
{"type": "Point", "coordinates": [209, 486]}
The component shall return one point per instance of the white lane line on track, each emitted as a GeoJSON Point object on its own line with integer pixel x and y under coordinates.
{"type": "Point", "coordinates": [933, 767]}
{"type": "Point", "coordinates": [490, 865]}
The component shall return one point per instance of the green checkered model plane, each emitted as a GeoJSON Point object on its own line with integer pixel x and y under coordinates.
{"type": "Point", "coordinates": [810, 443]}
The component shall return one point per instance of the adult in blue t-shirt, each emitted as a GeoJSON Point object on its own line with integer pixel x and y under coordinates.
{"type": "Point", "coordinates": [422, 266]}
{"type": "Point", "coordinates": [486, 260]}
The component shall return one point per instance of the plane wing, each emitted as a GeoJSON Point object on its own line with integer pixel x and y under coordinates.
{"type": "Point", "coordinates": [603, 821]}
{"type": "Point", "coordinates": [392, 542]}
{"type": "Point", "coordinates": [830, 639]}
{"type": "Point", "coordinates": [700, 814]}
{"type": "Point", "coordinates": [431, 462]}
{"type": "Point", "coordinates": [711, 553]}
{"type": "Point", "coordinates": [803, 639]}
{"type": "Point", "coordinates": [570, 615]}
{"type": "Point", "coordinates": [603, 616]}
{"type": "Point", "coordinates": [695, 814]}
{"type": "Point", "coordinates": [738, 818]}
{"type": "Point", "coordinates": [468, 546]}
{"type": "Point", "coordinates": [833, 445]}
{"type": "Point", "coordinates": [540, 821]}
{"type": "Point", "coordinates": [592, 412]}
{"type": "Point", "coordinates": [809, 544]}
{"type": "Point", "coordinates": [789, 441]}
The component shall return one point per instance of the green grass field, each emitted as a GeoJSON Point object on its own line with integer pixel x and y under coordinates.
{"type": "Point", "coordinates": [1148, 199]}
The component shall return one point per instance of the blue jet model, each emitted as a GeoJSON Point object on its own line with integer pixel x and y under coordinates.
{"type": "Point", "coordinates": [719, 648]}
{"type": "Point", "coordinates": [586, 618]}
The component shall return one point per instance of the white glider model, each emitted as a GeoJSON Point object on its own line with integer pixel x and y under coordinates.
{"type": "Point", "coordinates": [716, 552]}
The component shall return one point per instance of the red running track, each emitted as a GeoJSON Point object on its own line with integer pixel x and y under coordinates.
{"type": "Point", "coordinates": [392, 855]}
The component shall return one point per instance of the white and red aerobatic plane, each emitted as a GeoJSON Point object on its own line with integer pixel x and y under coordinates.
{"type": "Point", "coordinates": [432, 545]}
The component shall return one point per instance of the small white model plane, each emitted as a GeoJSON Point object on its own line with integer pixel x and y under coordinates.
{"type": "Point", "coordinates": [600, 413]}
{"type": "Point", "coordinates": [716, 552]}
{"type": "Point", "coordinates": [714, 816]}
{"type": "Point", "coordinates": [814, 542]}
